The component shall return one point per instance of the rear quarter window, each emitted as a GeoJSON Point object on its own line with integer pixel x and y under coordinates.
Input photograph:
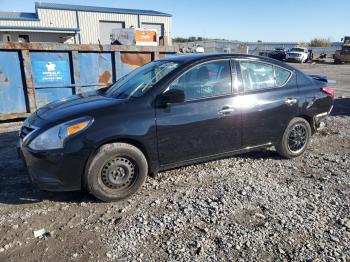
{"type": "Point", "coordinates": [282, 76]}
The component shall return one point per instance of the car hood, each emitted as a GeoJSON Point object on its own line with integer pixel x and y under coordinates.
{"type": "Point", "coordinates": [72, 107]}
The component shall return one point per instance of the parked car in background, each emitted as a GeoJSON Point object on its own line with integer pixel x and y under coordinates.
{"type": "Point", "coordinates": [343, 55]}
{"type": "Point", "coordinates": [278, 54]}
{"type": "Point", "coordinates": [170, 113]}
{"type": "Point", "coordinates": [193, 49]}
{"type": "Point", "coordinates": [298, 54]}
{"type": "Point", "coordinates": [197, 49]}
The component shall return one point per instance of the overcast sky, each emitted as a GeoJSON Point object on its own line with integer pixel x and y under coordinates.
{"type": "Point", "coordinates": [247, 20]}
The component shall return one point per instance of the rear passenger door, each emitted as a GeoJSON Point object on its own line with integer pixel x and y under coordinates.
{"type": "Point", "coordinates": [269, 101]}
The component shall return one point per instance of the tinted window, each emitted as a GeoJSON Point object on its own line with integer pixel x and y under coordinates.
{"type": "Point", "coordinates": [282, 76]}
{"type": "Point", "coordinates": [257, 76]}
{"type": "Point", "coordinates": [205, 80]}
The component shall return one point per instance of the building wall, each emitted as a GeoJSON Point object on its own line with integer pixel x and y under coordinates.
{"type": "Point", "coordinates": [48, 18]}
{"type": "Point", "coordinates": [159, 20]}
{"type": "Point", "coordinates": [41, 36]}
{"type": "Point", "coordinates": [88, 22]}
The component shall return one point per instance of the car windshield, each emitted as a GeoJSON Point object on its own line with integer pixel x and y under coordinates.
{"type": "Point", "coordinates": [139, 81]}
{"type": "Point", "coordinates": [297, 50]}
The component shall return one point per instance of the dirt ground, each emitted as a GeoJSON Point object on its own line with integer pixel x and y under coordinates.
{"type": "Point", "coordinates": [154, 224]}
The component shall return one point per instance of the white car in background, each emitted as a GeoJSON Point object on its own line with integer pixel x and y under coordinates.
{"type": "Point", "coordinates": [298, 54]}
{"type": "Point", "coordinates": [197, 49]}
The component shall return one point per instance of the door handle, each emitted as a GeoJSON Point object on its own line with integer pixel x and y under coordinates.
{"type": "Point", "coordinates": [290, 101]}
{"type": "Point", "coordinates": [226, 110]}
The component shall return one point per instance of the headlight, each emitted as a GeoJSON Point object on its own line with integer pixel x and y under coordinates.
{"type": "Point", "coordinates": [54, 137]}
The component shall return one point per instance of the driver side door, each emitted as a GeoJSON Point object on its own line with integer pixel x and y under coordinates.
{"type": "Point", "coordinates": [208, 122]}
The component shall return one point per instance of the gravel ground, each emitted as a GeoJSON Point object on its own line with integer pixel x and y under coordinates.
{"type": "Point", "coordinates": [252, 207]}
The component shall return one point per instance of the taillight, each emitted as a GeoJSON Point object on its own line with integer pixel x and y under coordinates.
{"type": "Point", "coordinates": [328, 91]}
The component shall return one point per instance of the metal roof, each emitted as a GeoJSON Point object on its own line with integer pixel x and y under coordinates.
{"type": "Point", "coordinates": [18, 16]}
{"type": "Point", "coordinates": [98, 9]}
{"type": "Point", "coordinates": [34, 16]}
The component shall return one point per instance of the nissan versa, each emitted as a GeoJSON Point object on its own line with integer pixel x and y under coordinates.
{"type": "Point", "coordinates": [170, 113]}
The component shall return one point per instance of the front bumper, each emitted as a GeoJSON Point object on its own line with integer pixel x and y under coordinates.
{"type": "Point", "coordinates": [54, 170]}
{"type": "Point", "coordinates": [295, 59]}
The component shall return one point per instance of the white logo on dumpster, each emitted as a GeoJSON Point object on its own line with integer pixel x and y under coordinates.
{"type": "Point", "coordinates": [52, 73]}
{"type": "Point", "coordinates": [50, 66]}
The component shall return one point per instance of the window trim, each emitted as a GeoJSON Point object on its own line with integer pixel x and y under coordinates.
{"type": "Point", "coordinates": [238, 60]}
{"type": "Point", "coordinates": [233, 75]}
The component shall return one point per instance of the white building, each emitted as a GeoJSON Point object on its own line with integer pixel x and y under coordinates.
{"type": "Point", "coordinates": [78, 24]}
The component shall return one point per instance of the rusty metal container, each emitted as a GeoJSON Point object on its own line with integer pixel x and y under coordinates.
{"type": "Point", "coordinates": [34, 74]}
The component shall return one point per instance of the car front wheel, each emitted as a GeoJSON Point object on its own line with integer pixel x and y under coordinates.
{"type": "Point", "coordinates": [295, 139]}
{"type": "Point", "coordinates": [117, 171]}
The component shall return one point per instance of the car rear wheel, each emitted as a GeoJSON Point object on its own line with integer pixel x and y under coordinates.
{"type": "Point", "coordinates": [295, 139]}
{"type": "Point", "coordinates": [116, 172]}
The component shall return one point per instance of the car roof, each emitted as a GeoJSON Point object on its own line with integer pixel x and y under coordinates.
{"type": "Point", "coordinates": [192, 58]}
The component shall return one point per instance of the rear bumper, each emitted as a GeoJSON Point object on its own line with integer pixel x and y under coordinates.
{"type": "Point", "coordinates": [320, 119]}
{"type": "Point", "coordinates": [54, 171]}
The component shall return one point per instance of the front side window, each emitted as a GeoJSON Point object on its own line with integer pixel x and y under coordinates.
{"type": "Point", "coordinates": [205, 80]}
{"type": "Point", "coordinates": [139, 81]}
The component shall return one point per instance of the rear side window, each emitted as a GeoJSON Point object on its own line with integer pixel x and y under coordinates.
{"type": "Point", "coordinates": [258, 76]}
{"type": "Point", "coordinates": [205, 80]}
{"type": "Point", "coordinates": [282, 76]}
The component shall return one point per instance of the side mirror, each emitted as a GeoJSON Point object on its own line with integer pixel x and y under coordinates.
{"type": "Point", "coordinates": [171, 96]}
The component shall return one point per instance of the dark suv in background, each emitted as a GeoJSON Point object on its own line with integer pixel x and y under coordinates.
{"type": "Point", "coordinates": [170, 113]}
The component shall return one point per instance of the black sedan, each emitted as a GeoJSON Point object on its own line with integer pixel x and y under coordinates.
{"type": "Point", "coordinates": [171, 113]}
{"type": "Point", "coordinates": [278, 54]}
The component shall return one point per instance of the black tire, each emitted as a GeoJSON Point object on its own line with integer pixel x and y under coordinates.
{"type": "Point", "coordinates": [116, 172]}
{"type": "Point", "coordinates": [289, 147]}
